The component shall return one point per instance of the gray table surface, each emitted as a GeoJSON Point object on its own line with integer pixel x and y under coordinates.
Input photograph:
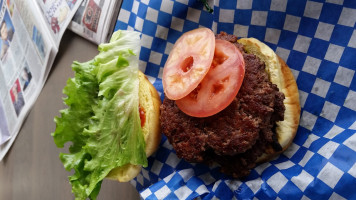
{"type": "Point", "coordinates": [32, 169]}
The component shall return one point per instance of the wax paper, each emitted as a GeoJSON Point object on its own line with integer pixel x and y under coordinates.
{"type": "Point", "coordinates": [317, 39]}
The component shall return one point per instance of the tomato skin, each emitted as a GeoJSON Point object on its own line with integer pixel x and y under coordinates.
{"type": "Point", "coordinates": [188, 62]}
{"type": "Point", "coordinates": [220, 85]}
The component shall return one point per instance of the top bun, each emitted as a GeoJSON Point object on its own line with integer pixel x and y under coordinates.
{"type": "Point", "coordinates": [150, 101]}
{"type": "Point", "coordinates": [279, 74]}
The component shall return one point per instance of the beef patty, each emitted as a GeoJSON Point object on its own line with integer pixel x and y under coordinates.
{"type": "Point", "coordinates": [236, 136]}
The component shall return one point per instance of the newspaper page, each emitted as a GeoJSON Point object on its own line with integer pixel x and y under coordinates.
{"type": "Point", "coordinates": [95, 19]}
{"type": "Point", "coordinates": [27, 51]}
{"type": "Point", "coordinates": [58, 15]}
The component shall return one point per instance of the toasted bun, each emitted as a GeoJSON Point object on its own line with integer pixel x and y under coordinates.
{"type": "Point", "coordinates": [279, 74]}
{"type": "Point", "coordinates": [150, 102]}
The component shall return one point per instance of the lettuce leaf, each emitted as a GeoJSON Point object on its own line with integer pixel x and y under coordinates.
{"type": "Point", "coordinates": [102, 120]}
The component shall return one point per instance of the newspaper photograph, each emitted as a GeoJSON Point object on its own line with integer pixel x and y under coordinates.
{"type": "Point", "coordinates": [6, 33]}
{"type": "Point", "coordinates": [58, 14]}
{"type": "Point", "coordinates": [94, 19]}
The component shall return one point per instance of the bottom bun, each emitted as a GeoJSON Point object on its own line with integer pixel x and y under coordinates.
{"type": "Point", "coordinates": [150, 102]}
{"type": "Point", "coordinates": [281, 75]}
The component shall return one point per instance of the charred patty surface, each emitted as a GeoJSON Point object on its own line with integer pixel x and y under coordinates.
{"type": "Point", "coordinates": [236, 136]}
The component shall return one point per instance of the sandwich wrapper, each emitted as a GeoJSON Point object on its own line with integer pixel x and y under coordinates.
{"type": "Point", "coordinates": [317, 39]}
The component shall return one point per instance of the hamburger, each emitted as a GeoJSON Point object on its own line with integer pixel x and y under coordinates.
{"type": "Point", "coordinates": [248, 116]}
{"type": "Point", "coordinates": [112, 118]}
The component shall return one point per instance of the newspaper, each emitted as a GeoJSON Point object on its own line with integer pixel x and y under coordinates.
{"type": "Point", "coordinates": [31, 31]}
{"type": "Point", "coordinates": [95, 19]}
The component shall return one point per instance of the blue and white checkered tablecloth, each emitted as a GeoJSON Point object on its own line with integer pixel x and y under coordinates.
{"type": "Point", "coordinates": [317, 39]}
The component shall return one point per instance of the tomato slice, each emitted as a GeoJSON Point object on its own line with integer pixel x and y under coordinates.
{"type": "Point", "coordinates": [221, 84]}
{"type": "Point", "coordinates": [188, 62]}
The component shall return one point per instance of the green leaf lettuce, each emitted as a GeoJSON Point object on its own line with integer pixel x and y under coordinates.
{"type": "Point", "coordinates": [102, 120]}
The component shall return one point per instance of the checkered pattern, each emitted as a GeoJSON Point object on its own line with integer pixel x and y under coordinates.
{"type": "Point", "coordinates": [317, 39]}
